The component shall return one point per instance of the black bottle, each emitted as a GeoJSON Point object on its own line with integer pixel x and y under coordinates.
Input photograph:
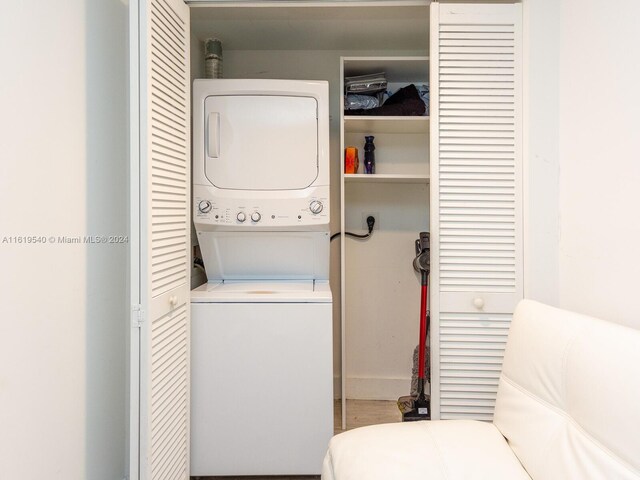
{"type": "Point", "coordinates": [369, 156]}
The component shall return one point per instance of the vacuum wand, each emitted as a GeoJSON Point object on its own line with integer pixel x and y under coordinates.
{"type": "Point", "coordinates": [418, 407]}
{"type": "Point", "coordinates": [424, 328]}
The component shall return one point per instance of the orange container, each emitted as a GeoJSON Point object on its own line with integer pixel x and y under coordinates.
{"type": "Point", "coordinates": [351, 162]}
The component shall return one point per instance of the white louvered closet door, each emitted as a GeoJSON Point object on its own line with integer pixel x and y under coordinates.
{"type": "Point", "coordinates": [164, 219]}
{"type": "Point", "coordinates": [476, 200]}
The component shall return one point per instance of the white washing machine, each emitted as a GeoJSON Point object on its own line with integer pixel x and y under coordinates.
{"type": "Point", "coordinates": [261, 395]}
{"type": "Point", "coordinates": [261, 328]}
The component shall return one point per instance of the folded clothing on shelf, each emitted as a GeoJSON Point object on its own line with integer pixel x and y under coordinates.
{"type": "Point", "coordinates": [423, 90]}
{"type": "Point", "coordinates": [354, 102]}
{"type": "Point", "coordinates": [369, 84]}
{"type": "Point", "coordinates": [405, 102]}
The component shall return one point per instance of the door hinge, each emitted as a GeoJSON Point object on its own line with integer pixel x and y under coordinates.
{"type": "Point", "coordinates": [136, 317]}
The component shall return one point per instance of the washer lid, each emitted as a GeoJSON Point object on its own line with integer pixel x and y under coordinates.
{"type": "Point", "coordinates": [262, 291]}
{"type": "Point", "coordinates": [261, 142]}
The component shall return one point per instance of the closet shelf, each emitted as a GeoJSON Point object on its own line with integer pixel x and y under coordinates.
{"type": "Point", "coordinates": [385, 178]}
{"type": "Point", "coordinates": [370, 124]}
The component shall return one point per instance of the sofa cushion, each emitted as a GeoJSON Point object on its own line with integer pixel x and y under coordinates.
{"type": "Point", "coordinates": [569, 395]}
{"type": "Point", "coordinates": [451, 450]}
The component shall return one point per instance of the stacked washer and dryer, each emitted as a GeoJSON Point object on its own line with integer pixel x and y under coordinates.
{"type": "Point", "coordinates": [261, 328]}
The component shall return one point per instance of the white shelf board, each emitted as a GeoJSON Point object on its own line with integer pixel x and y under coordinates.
{"type": "Point", "coordinates": [385, 178]}
{"type": "Point", "coordinates": [371, 124]}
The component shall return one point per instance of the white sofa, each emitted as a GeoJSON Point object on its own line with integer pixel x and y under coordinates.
{"type": "Point", "coordinates": [568, 407]}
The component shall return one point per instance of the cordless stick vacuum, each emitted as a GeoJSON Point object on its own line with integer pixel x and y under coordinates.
{"type": "Point", "coordinates": [418, 407]}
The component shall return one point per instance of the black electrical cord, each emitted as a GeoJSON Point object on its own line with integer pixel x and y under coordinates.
{"type": "Point", "coordinates": [370, 223]}
{"type": "Point", "coordinates": [337, 234]}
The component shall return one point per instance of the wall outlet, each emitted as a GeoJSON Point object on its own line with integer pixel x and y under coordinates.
{"type": "Point", "coordinates": [375, 215]}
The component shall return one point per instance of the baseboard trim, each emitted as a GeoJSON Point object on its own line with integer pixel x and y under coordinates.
{"type": "Point", "coordinates": [376, 388]}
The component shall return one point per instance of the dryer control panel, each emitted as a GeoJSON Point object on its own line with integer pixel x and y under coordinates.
{"type": "Point", "coordinates": [213, 212]}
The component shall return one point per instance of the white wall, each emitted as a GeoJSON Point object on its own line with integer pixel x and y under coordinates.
{"type": "Point", "coordinates": [541, 145]}
{"type": "Point", "coordinates": [63, 92]}
{"type": "Point", "coordinates": [599, 204]}
{"type": "Point", "coordinates": [383, 290]}
{"type": "Point", "coordinates": [583, 152]}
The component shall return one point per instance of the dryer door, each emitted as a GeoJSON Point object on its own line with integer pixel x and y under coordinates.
{"type": "Point", "coordinates": [261, 142]}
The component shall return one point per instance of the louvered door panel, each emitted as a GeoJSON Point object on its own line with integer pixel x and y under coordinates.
{"type": "Point", "coordinates": [471, 351]}
{"type": "Point", "coordinates": [169, 384]}
{"type": "Point", "coordinates": [476, 195]}
{"type": "Point", "coordinates": [169, 142]}
{"type": "Point", "coordinates": [165, 218]}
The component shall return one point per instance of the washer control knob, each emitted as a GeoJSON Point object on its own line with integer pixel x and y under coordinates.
{"type": "Point", "coordinates": [316, 207]}
{"type": "Point", "coordinates": [255, 217]}
{"type": "Point", "coordinates": [204, 206]}
{"type": "Point", "coordinates": [241, 217]}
